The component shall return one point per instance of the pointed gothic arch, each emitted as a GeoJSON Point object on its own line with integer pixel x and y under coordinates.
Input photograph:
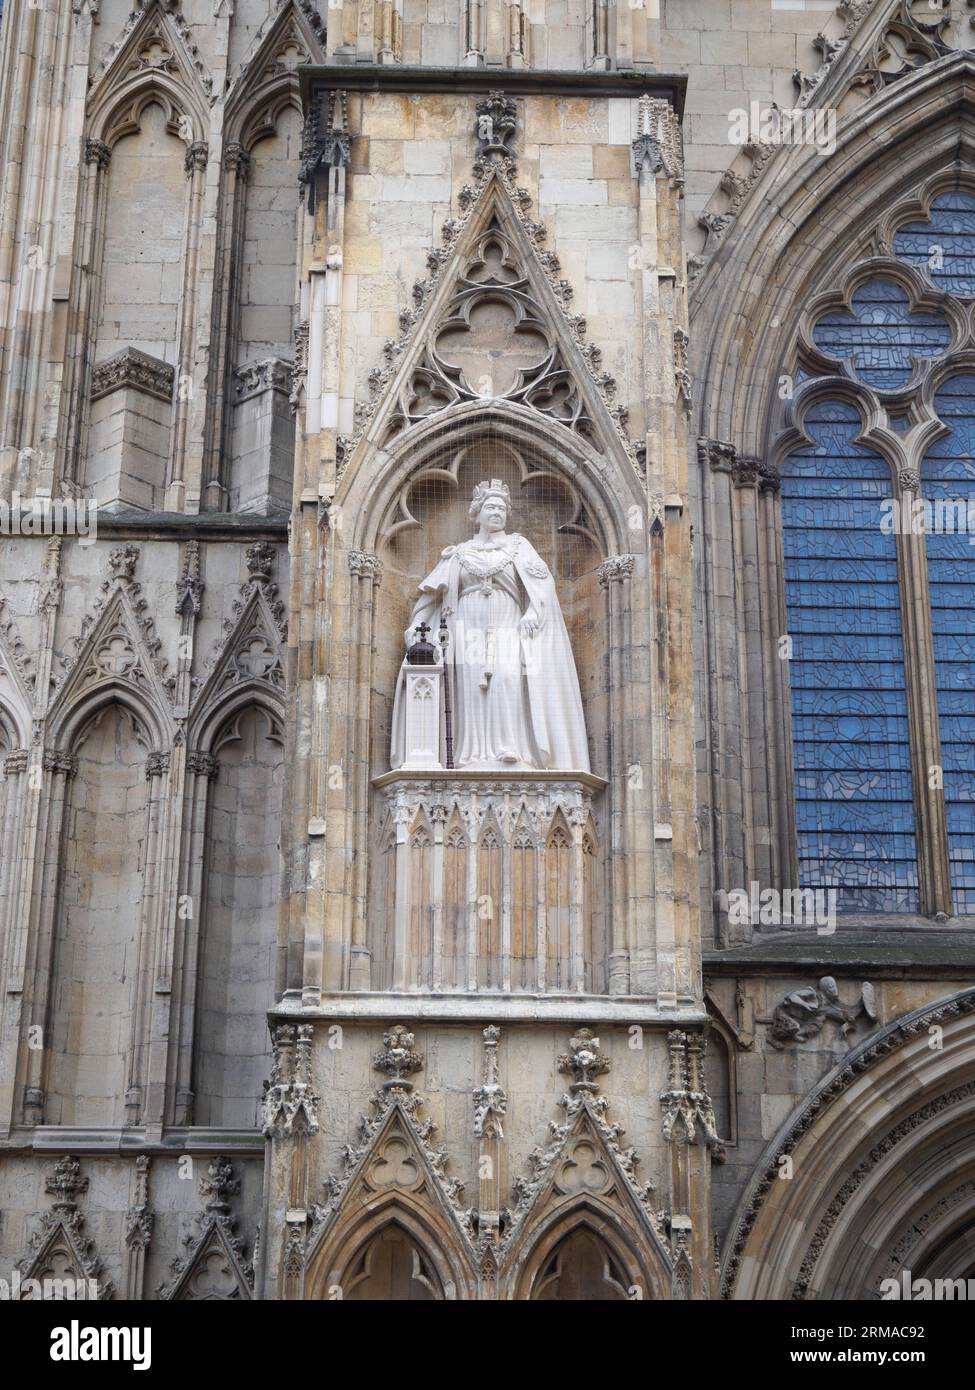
{"type": "Point", "coordinates": [585, 1254]}
{"type": "Point", "coordinates": [751, 423]}
{"type": "Point", "coordinates": [584, 1182]}
{"type": "Point", "coordinates": [807, 236]}
{"type": "Point", "coordinates": [340, 1261]}
{"type": "Point", "coordinates": [393, 1178]}
{"type": "Point", "coordinates": [151, 61]}
{"type": "Point", "coordinates": [883, 1169]}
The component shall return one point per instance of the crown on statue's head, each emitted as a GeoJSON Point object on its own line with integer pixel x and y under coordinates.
{"type": "Point", "coordinates": [494, 488]}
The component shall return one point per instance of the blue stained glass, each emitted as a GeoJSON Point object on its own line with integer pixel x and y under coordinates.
{"type": "Point", "coordinates": [882, 335]}
{"type": "Point", "coordinates": [854, 803]}
{"type": "Point", "coordinates": [944, 247]}
{"type": "Point", "coordinates": [948, 472]}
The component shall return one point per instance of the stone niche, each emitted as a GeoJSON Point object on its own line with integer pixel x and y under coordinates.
{"type": "Point", "coordinates": [131, 419]}
{"type": "Point", "coordinates": [489, 882]}
{"type": "Point", "coordinates": [262, 438]}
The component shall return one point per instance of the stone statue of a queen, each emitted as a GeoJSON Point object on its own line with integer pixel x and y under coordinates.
{"type": "Point", "coordinates": [514, 692]}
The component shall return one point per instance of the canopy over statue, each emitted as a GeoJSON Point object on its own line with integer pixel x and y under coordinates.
{"type": "Point", "coordinates": [514, 692]}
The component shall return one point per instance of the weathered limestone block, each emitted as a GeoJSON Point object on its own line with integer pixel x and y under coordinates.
{"type": "Point", "coordinates": [131, 415]}
{"type": "Point", "coordinates": [262, 438]}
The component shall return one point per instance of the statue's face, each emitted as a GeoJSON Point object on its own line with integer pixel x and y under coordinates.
{"type": "Point", "coordinates": [494, 514]}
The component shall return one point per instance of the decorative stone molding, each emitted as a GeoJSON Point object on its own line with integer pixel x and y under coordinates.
{"type": "Point", "coordinates": [893, 1037]}
{"type": "Point", "coordinates": [398, 1058]}
{"type": "Point", "coordinates": [270, 374]}
{"type": "Point", "coordinates": [55, 760]}
{"type": "Point", "coordinates": [686, 1104]}
{"type": "Point", "coordinates": [803, 1012]}
{"type": "Point", "coordinates": [490, 1100]}
{"type": "Point", "coordinates": [544, 379]}
{"type": "Point", "coordinates": [139, 1219]}
{"type": "Point", "coordinates": [769, 477]}
{"type": "Point", "coordinates": [135, 370]}
{"type": "Point", "coordinates": [97, 152]}
{"type": "Point", "coordinates": [195, 158]}
{"type": "Point", "coordinates": [59, 1248]}
{"type": "Point", "coordinates": [157, 765]}
{"type": "Point", "coordinates": [909, 479]}
{"type": "Point", "coordinates": [236, 160]}
{"type": "Point", "coordinates": [118, 637]}
{"type": "Point", "coordinates": [290, 1100]}
{"type": "Point", "coordinates": [397, 1121]}
{"type": "Point", "coordinates": [616, 570]}
{"type": "Point", "coordinates": [215, 1265]}
{"type": "Point", "coordinates": [657, 146]}
{"type": "Point", "coordinates": [202, 765]}
{"type": "Point", "coordinates": [745, 472]}
{"type": "Point", "coordinates": [16, 762]}
{"type": "Point", "coordinates": [189, 586]}
{"type": "Point", "coordinates": [584, 1061]}
{"type": "Point", "coordinates": [364, 565]}
{"type": "Point", "coordinates": [154, 38]}
{"type": "Point", "coordinates": [299, 373]}
{"type": "Point", "coordinates": [717, 454]}
{"type": "Point", "coordinates": [879, 1152]}
{"type": "Point", "coordinates": [585, 1121]}
{"type": "Point", "coordinates": [901, 1256]}
{"type": "Point", "coordinates": [251, 647]}
{"type": "Point", "coordinates": [496, 117]}
{"type": "Point", "coordinates": [13, 647]}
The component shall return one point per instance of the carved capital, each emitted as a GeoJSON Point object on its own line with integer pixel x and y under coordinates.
{"type": "Point", "coordinates": [196, 157]}
{"type": "Point", "coordinates": [717, 454]}
{"type": "Point", "coordinates": [909, 479]}
{"type": "Point", "coordinates": [16, 762]}
{"type": "Point", "coordinates": [364, 565]}
{"type": "Point", "coordinates": [616, 569]}
{"type": "Point", "coordinates": [745, 472]}
{"type": "Point", "coordinates": [97, 152]}
{"type": "Point", "coordinates": [55, 760]}
{"type": "Point", "coordinates": [236, 160]}
{"type": "Point", "coordinates": [202, 765]}
{"type": "Point", "coordinates": [769, 478]}
{"type": "Point", "coordinates": [136, 370]}
{"type": "Point", "coordinates": [270, 374]}
{"type": "Point", "coordinates": [156, 765]}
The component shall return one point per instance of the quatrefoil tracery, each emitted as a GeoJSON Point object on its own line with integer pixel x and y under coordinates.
{"type": "Point", "coordinates": [492, 343]}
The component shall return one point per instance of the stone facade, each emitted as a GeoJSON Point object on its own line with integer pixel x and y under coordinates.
{"type": "Point", "coordinates": [280, 284]}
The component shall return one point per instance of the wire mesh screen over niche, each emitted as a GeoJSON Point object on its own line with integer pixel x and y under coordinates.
{"type": "Point", "coordinates": [431, 510]}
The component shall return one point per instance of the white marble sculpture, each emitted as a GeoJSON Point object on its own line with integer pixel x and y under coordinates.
{"type": "Point", "coordinates": [512, 679]}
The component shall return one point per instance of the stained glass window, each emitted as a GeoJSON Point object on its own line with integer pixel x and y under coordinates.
{"type": "Point", "coordinates": [948, 477]}
{"type": "Point", "coordinates": [854, 805]}
{"type": "Point", "coordinates": [882, 335]}
{"type": "Point", "coordinates": [944, 247]}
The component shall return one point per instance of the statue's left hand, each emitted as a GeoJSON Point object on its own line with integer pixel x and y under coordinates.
{"type": "Point", "coordinates": [528, 625]}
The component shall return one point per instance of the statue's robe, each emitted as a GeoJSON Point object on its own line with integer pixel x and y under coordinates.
{"type": "Point", "coordinates": [554, 704]}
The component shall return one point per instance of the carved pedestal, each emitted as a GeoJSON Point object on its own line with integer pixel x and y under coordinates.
{"type": "Point", "coordinates": [490, 883]}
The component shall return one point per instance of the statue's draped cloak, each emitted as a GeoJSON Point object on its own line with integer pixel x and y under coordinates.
{"type": "Point", "coordinates": [554, 703]}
